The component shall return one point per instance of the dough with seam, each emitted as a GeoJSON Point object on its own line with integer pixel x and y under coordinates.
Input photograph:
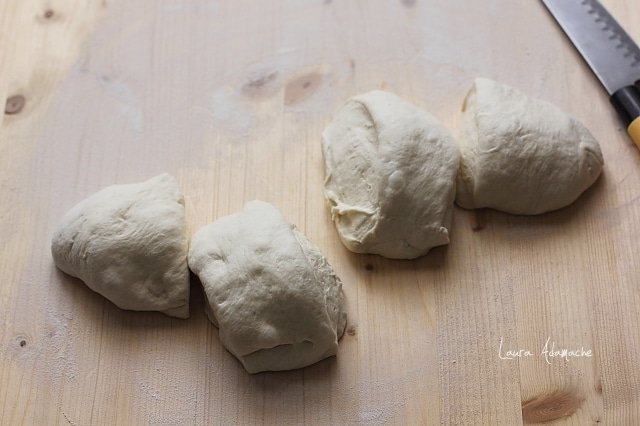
{"type": "Point", "coordinates": [390, 173]}
{"type": "Point", "coordinates": [276, 301]}
{"type": "Point", "coordinates": [521, 155]}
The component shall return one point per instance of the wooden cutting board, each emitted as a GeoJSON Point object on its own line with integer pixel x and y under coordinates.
{"type": "Point", "coordinates": [231, 97]}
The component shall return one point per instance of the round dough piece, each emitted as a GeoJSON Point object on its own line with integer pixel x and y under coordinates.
{"type": "Point", "coordinates": [390, 173]}
{"type": "Point", "coordinates": [128, 243]}
{"type": "Point", "coordinates": [521, 155]}
{"type": "Point", "coordinates": [276, 301]}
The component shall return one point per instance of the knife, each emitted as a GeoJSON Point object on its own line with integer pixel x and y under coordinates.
{"type": "Point", "coordinates": [608, 50]}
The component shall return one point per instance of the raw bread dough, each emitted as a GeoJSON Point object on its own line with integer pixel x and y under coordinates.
{"type": "Point", "coordinates": [128, 243]}
{"type": "Point", "coordinates": [521, 155]}
{"type": "Point", "coordinates": [390, 172]}
{"type": "Point", "coordinates": [276, 300]}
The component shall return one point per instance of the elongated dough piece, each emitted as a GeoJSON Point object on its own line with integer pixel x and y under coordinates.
{"type": "Point", "coordinates": [390, 173]}
{"type": "Point", "coordinates": [521, 155]}
{"type": "Point", "coordinates": [276, 301]}
{"type": "Point", "coordinates": [128, 243]}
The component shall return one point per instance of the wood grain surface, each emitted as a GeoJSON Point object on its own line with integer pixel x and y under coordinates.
{"type": "Point", "coordinates": [231, 97]}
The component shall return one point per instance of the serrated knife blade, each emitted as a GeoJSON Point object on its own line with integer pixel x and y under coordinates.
{"type": "Point", "coordinates": [608, 50]}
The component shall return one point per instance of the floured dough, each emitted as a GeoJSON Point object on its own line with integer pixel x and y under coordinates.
{"type": "Point", "coordinates": [128, 243]}
{"type": "Point", "coordinates": [390, 173]}
{"type": "Point", "coordinates": [276, 300]}
{"type": "Point", "coordinates": [521, 155]}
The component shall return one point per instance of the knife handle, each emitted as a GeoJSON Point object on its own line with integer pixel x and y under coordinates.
{"type": "Point", "coordinates": [627, 102]}
{"type": "Point", "coordinates": [634, 131]}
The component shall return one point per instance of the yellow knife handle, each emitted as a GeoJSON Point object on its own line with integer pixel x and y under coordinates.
{"type": "Point", "coordinates": [634, 131]}
{"type": "Point", "coordinates": [627, 103]}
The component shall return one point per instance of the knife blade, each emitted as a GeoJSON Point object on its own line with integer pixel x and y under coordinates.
{"type": "Point", "coordinates": [608, 50]}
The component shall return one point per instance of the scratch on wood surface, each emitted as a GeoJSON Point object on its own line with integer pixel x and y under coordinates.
{"type": "Point", "coordinates": [67, 419]}
{"type": "Point", "coordinates": [255, 84]}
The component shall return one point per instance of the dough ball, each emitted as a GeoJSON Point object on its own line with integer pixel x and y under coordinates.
{"type": "Point", "coordinates": [521, 155]}
{"type": "Point", "coordinates": [390, 172]}
{"type": "Point", "coordinates": [277, 302]}
{"type": "Point", "coordinates": [128, 243]}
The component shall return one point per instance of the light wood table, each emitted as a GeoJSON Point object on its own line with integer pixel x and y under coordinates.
{"type": "Point", "coordinates": [231, 97]}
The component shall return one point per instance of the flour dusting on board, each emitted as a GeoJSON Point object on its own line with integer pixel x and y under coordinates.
{"type": "Point", "coordinates": [167, 396]}
{"type": "Point", "coordinates": [378, 400]}
{"type": "Point", "coordinates": [59, 335]}
{"type": "Point", "coordinates": [49, 351]}
{"type": "Point", "coordinates": [384, 400]}
{"type": "Point", "coordinates": [229, 111]}
{"type": "Point", "coordinates": [129, 103]}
